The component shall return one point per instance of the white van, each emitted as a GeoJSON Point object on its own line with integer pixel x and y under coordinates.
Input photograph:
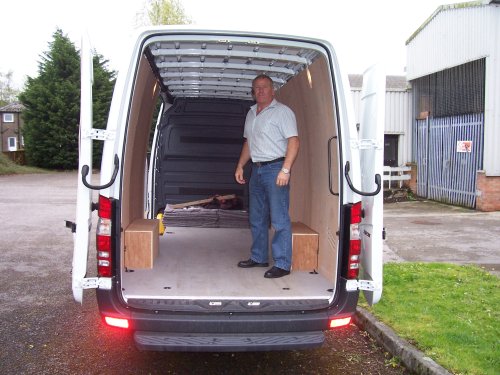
{"type": "Point", "coordinates": [167, 266]}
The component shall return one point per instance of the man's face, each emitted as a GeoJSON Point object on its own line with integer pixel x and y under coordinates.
{"type": "Point", "coordinates": [263, 91]}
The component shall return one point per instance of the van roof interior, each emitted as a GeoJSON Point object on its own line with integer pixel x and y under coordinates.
{"type": "Point", "coordinates": [215, 67]}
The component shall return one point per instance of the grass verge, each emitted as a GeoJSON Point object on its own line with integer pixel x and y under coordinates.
{"type": "Point", "coordinates": [7, 166]}
{"type": "Point", "coordinates": [450, 312]}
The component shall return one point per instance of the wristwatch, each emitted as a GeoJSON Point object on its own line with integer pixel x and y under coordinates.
{"type": "Point", "coordinates": [285, 170]}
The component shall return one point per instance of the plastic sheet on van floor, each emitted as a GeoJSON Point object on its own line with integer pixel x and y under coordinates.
{"type": "Point", "coordinates": [205, 218]}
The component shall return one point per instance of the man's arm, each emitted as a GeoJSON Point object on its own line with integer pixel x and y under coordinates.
{"type": "Point", "coordinates": [244, 158]}
{"type": "Point", "coordinates": [292, 150]}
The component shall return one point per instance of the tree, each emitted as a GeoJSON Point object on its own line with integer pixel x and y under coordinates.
{"type": "Point", "coordinates": [52, 103]}
{"type": "Point", "coordinates": [8, 94]}
{"type": "Point", "coordinates": [52, 108]}
{"type": "Point", "coordinates": [166, 12]}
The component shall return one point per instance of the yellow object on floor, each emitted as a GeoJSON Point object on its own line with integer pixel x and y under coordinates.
{"type": "Point", "coordinates": [161, 227]}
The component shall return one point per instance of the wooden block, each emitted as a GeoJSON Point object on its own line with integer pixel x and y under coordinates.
{"type": "Point", "coordinates": [141, 243]}
{"type": "Point", "coordinates": [305, 247]}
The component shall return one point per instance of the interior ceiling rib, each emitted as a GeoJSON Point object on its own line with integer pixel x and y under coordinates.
{"type": "Point", "coordinates": [225, 69]}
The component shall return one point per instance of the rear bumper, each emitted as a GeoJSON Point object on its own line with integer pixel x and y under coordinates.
{"type": "Point", "coordinates": [161, 341]}
{"type": "Point", "coordinates": [190, 331]}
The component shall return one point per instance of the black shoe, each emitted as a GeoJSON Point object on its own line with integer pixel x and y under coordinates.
{"type": "Point", "coordinates": [275, 272]}
{"type": "Point", "coordinates": [251, 263]}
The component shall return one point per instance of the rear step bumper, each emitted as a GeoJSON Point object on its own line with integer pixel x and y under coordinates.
{"type": "Point", "coordinates": [161, 341]}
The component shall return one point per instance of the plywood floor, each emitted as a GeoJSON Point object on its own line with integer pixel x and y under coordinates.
{"type": "Point", "coordinates": [201, 263]}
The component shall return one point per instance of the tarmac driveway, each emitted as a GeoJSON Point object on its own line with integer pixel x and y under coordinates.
{"type": "Point", "coordinates": [434, 232]}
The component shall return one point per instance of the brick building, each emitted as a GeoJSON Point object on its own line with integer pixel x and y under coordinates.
{"type": "Point", "coordinates": [11, 124]}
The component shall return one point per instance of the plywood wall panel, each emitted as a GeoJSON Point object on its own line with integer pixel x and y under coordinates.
{"type": "Point", "coordinates": [311, 201]}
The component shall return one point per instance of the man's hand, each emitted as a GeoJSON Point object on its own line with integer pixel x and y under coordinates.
{"type": "Point", "coordinates": [283, 179]}
{"type": "Point", "coordinates": [244, 158]}
{"type": "Point", "coordinates": [238, 175]}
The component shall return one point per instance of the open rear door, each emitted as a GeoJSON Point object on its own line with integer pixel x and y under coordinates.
{"type": "Point", "coordinates": [84, 195]}
{"type": "Point", "coordinates": [371, 138]}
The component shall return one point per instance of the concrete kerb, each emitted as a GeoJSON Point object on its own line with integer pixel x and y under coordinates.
{"type": "Point", "coordinates": [412, 358]}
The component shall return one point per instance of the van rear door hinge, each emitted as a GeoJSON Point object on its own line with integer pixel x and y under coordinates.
{"type": "Point", "coordinates": [367, 144]}
{"type": "Point", "coordinates": [96, 282]}
{"type": "Point", "coordinates": [361, 285]}
{"type": "Point", "coordinates": [99, 134]}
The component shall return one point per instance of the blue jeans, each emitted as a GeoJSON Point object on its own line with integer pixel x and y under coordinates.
{"type": "Point", "coordinates": [270, 202]}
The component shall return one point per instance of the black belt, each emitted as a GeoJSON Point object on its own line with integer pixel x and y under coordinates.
{"type": "Point", "coordinates": [262, 163]}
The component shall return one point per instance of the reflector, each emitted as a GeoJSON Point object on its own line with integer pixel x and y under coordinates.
{"type": "Point", "coordinates": [335, 323]}
{"type": "Point", "coordinates": [116, 322]}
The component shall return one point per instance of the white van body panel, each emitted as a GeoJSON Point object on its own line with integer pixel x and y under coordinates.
{"type": "Point", "coordinates": [371, 149]}
{"type": "Point", "coordinates": [349, 134]}
{"type": "Point", "coordinates": [84, 195]}
{"type": "Point", "coordinates": [118, 117]}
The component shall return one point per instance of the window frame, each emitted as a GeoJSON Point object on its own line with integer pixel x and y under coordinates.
{"type": "Point", "coordinates": [5, 118]}
{"type": "Point", "coordinates": [12, 148]}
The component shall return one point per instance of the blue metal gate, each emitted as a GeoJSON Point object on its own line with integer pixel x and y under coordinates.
{"type": "Point", "coordinates": [449, 152]}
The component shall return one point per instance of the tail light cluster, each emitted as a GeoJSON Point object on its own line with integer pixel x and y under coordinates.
{"type": "Point", "coordinates": [103, 238]}
{"type": "Point", "coordinates": [354, 242]}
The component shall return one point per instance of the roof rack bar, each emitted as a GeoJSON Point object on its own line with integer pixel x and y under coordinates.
{"type": "Point", "coordinates": [194, 82]}
{"type": "Point", "coordinates": [233, 53]}
{"type": "Point", "coordinates": [198, 65]}
{"type": "Point", "coordinates": [208, 87]}
{"type": "Point", "coordinates": [223, 75]}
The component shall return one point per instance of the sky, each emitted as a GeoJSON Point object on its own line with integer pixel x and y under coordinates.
{"type": "Point", "coordinates": [361, 31]}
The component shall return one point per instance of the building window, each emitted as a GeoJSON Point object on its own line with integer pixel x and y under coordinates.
{"type": "Point", "coordinates": [8, 117]}
{"type": "Point", "coordinates": [450, 92]}
{"type": "Point", "coordinates": [12, 142]}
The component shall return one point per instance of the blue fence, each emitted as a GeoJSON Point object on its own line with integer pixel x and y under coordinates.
{"type": "Point", "coordinates": [449, 152]}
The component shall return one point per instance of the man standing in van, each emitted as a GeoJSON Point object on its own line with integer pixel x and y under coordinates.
{"type": "Point", "coordinates": [272, 143]}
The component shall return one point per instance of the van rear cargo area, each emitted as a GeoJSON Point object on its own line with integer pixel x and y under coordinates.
{"type": "Point", "coordinates": [204, 83]}
{"type": "Point", "coordinates": [198, 266]}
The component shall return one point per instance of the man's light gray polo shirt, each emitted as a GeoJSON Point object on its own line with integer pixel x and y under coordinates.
{"type": "Point", "coordinates": [267, 133]}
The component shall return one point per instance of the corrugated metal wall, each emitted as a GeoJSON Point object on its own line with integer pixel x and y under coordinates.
{"type": "Point", "coordinates": [398, 118]}
{"type": "Point", "coordinates": [453, 37]}
{"type": "Point", "coordinates": [492, 97]}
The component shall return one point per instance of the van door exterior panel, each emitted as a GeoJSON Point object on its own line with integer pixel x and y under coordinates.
{"type": "Point", "coordinates": [84, 194]}
{"type": "Point", "coordinates": [371, 143]}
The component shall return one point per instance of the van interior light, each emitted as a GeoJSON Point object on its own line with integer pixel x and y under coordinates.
{"type": "Point", "coordinates": [341, 322]}
{"type": "Point", "coordinates": [116, 322]}
{"type": "Point", "coordinates": [309, 78]}
{"type": "Point", "coordinates": [155, 89]}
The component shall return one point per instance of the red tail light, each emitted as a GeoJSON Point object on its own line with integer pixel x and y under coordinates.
{"type": "Point", "coordinates": [354, 242]}
{"type": "Point", "coordinates": [104, 207]}
{"type": "Point", "coordinates": [103, 238]}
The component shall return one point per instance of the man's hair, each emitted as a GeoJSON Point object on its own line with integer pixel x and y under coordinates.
{"type": "Point", "coordinates": [263, 76]}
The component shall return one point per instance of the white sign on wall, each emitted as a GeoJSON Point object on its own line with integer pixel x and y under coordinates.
{"type": "Point", "coordinates": [464, 146]}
